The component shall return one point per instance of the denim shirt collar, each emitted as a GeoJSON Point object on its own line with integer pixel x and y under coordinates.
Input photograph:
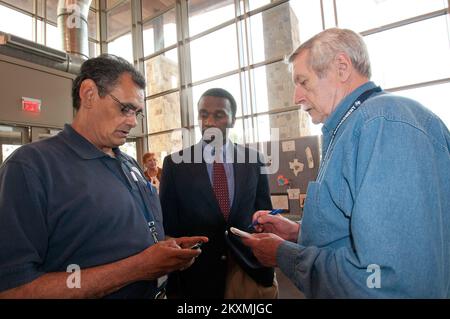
{"type": "Point", "coordinates": [333, 120]}
{"type": "Point", "coordinates": [81, 146]}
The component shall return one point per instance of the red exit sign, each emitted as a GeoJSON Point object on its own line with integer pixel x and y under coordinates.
{"type": "Point", "coordinates": [31, 105]}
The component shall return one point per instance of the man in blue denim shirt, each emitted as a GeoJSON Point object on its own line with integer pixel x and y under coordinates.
{"type": "Point", "coordinates": [377, 220]}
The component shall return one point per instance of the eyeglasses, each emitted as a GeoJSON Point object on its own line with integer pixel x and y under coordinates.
{"type": "Point", "coordinates": [128, 109]}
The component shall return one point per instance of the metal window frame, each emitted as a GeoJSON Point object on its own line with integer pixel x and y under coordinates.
{"type": "Point", "coordinates": [186, 82]}
{"type": "Point", "coordinates": [43, 19]}
{"type": "Point", "coordinates": [243, 34]}
{"type": "Point", "coordinates": [106, 11]}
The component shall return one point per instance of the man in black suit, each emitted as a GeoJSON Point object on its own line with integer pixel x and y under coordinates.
{"type": "Point", "coordinates": [204, 190]}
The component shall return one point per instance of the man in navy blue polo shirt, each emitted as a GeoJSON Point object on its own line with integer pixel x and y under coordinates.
{"type": "Point", "coordinates": [77, 217]}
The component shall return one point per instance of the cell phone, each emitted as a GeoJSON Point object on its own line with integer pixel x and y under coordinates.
{"type": "Point", "coordinates": [197, 245]}
{"type": "Point", "coordinates": [240, 233]}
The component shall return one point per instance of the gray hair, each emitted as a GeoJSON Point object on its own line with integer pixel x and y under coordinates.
{"type": "Point", "coordinates": [325, 45]}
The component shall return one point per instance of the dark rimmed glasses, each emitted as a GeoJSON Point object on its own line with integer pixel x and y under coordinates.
{"type": "Point", "coordinates": [128, 109]}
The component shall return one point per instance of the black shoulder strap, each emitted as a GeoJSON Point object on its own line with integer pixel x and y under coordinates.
{"type": "Point", "coordinates": [143, 186]}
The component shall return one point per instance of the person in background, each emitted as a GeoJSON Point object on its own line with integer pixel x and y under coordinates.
{"type": "Point", "coordinates": [77, 219]}
{"type": "Point", "coordinates": [151, 171]}
{"type": "Point", "coordinates": [206, 194]}
{"type": "Point", "coordinates": [377, 219]}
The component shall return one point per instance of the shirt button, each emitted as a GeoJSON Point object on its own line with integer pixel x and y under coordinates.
{"type": "Point", "coordinates": [223, 257]}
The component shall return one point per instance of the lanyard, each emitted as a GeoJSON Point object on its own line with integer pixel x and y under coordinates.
{"type": "Point", "coordinates": [144, 196]}
{"type": "Point", "coordinates": [359, 100]}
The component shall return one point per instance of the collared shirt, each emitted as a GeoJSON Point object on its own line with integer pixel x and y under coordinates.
{"type": "Point", "coordinates": [227, 159]}
{"type": "Point", "coordinates": [63, 202]}
{"type": "Point", "coordinates": [377, 222]}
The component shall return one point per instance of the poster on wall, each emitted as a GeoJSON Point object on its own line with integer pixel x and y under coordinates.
{"type": "Point", "coordinates": [298, 164]}
{"type": "Point", "coordinates": [280, 201]}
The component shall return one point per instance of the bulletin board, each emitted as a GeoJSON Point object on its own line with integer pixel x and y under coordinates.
{"type": "Point", "coordinates": [299, 161]}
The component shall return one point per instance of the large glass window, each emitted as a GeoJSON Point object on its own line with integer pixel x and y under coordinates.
{"type": "Point", "coordinates": [25, 5]}
{"type": "Point", "coordinates": [165, 144]}
{"type": "Point", "coordinates": [118, 29]}
{"type": "Point", "coordinates": [160, 33]}
{"type": "Point", "coordinates": [92, 24]}
{"type": "Point", "coordinates": [255, 4]}
{"type": "Point", "coordinates": [214, 54]}
{"type": "Point", "coordinates": [163, 76]}
{"type": "Point", "coordinates": [329, 14]}
{"type": "Point", "coordinates": [230, 83]}
{"type": "Point", "coordinates": [309, 18]}
{"type": "Point", "coordinates": [242, 50]}
{"type": "Point", "coordinates": [262, 127]}
{"type": "Point", "coordinates": [434, 97]}
{"type": "Point", "coordinates": [271, 33]}
{"type": "Point", "coordinates": [361, 15]}
{"type": "Point", "coordinates": [118, 20]}
{"type": "Point", "coordinates": [7, 150]}
{"type": "Point", "coordinates": [162, 72]}
{"type": "Point", "coordinates": [397, 63]}
{"type": "Point", "coordinates": [51, 7]}
{"type": "Point", "coordinates": [53, 37]}
{"type": "Point", "coordinates": [122, 47]}
{"type": "Point", "coordinates": [204, 15]}
{"type": "Point", "coordinates": [112, 3]}
{"type": "Point", "coordinates": [163, 113]}
{"type": "Point", "coordinates": [130, 148]}
{"type": "Point", "coordinates": [250, 129]}
{"type": "Point", "coordinates": [94, 49]}
{"type": "Point", "coordinates": [152, 8]}
{"type": "Point", "coordinates": [36, 20]}
{"type": "Point", "coordinates": [236, 134]}
{"type": "Point", "coordinates": [16, 23]}
{"type": "Point", "coordinates": [272, 87]}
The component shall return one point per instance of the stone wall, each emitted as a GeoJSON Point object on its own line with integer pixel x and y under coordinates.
{"type": "Point", "coordinates": [165, 144]}
{"type": "Point", "coordinates": [163, 113]}
{"type": "Point", "coordinates": [280, 27]}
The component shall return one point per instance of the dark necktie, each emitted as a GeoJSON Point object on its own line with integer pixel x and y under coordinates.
{"type": "Point", "coordinates": [220, 187]}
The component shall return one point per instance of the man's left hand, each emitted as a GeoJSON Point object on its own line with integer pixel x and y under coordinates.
{"type": "Point", "coordinates": [264, 247]}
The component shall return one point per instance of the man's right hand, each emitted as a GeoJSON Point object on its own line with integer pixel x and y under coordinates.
{"type": "Point", "coordinates": [168, 256]}
{"type": "Point", "coordinates": [276, 224]}
{"type": "Point", "coordinates": [98, 281]}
